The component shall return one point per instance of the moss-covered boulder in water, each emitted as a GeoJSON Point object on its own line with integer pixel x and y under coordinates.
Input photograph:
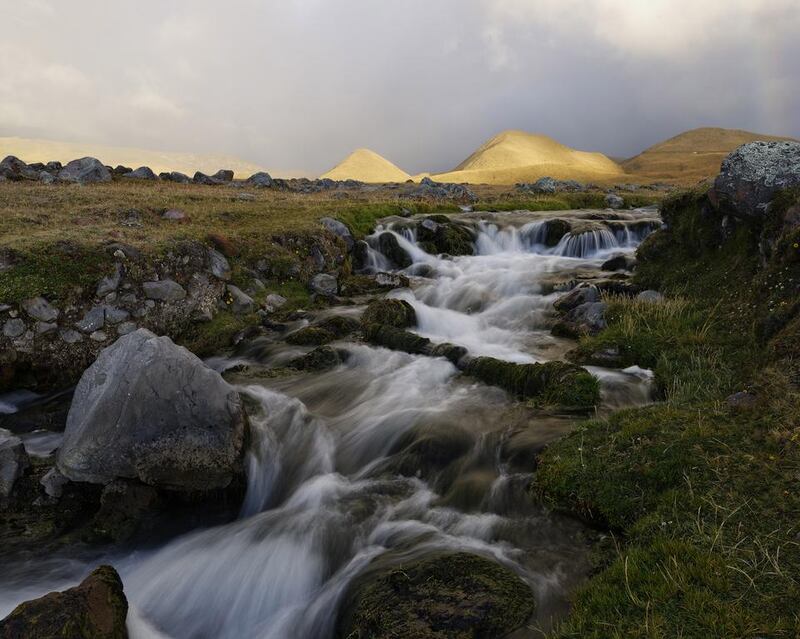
{"type": "Point", "coordinates": [321, 358]}
{"type": "Point", "coordinates": [339, 325]}
{"type": "Point", "coordinates": [391, 312]}
{"type": "Point", "coordinates": [439, 234]}
{"type": "Point", "coordinates": [397, 339]}
{"type": "Point", "coordinates": [427, 449]}
{"type": "Point", "coordinates": [310, 336]}
{"type": "Point", "coordinates": [554, 230]}
{"type": "Point", "coordinates": [390, 247]}
{"type": "Point", "coordinates": [96, 609]}
{"type": "Point", "coordinates": [446, 596]}
{"type": "Point", "coordinates": [552, 383]}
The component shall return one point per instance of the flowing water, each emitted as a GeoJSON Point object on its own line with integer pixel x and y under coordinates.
{"type": "Point", "coordinates": [336, 479]}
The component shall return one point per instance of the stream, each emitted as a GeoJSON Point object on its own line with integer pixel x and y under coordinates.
{"type": "Point", "coordinates": [333, 483]}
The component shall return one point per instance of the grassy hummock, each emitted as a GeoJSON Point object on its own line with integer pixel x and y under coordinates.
{"type": "Point", "coordinates": [700, 490]}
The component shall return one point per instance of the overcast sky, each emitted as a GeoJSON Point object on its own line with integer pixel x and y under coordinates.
{"type": "Point", "coordinates": [297, 84]}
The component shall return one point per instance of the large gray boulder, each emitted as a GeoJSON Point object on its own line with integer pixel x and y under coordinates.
{"type": "Point", "coordinates": [751, 176]}
{"type": "Point", "coordinates": [150, 410]}
{"type": "Point", "coordinates": [13, 461]}
{"type": "Point", "coordinates": [261, 179]}
{"type": "Point", "coordinates": [84, 171]}
{"type": "Point", "coordinates": [142, 173]}
{"type": "Point", "coordinates": [12, 168]}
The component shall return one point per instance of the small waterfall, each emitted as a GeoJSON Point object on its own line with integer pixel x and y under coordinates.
{"type": "Point", "coordinates": [529, 238]}
{"type": "Point", "coordinates": [586, 244]}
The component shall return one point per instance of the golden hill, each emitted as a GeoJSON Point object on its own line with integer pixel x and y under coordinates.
{"type": "Point", "coordinates": [33, 150]}
{"type": "Point", "coordinates": [366, 166]}
{"type": "Point", "coordinates": [692, 155]}
{"type": "Point", "coordinates": [517, 156]}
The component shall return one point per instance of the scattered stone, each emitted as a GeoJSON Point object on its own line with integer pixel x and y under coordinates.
{"type": "Point", "coordinates": [650, 296]}
{"type": "Point", "coordinates": [321, 358]}
{"type": "Point", "coordinates": [623, 262]}
{"type": "Point", "coordinates": [614, 201]}
{"type": "Point", "coordinates": [116, 315]}
{"type": "Point", "coordinates": [261, 179]}
{"type": "Point", "coordinates": [275, 301]}
{"type": "Point", "coordinates": [173, 214]}
{"type": "Point", "coordinates": [70, 336]}
{"type": "Point", "coordinates": [218, 265]}
{"type": "Point", "coordinates": [324, 284]}
{"type": "Point", "coordinates": [579, 295]}
{"type": "Point", "coordinates": [339, 229]}
{"type": "Point", "coordinates": [110, 283]}
{"type": "Point", "coordinates": [13, 461]}
{"type": "Point", "coordinates": [12, 168]}
{"type": "Point", "coordinates": [53, 483]}
{"type": "Point", "coordinates": [588, 318]}
{"type": "Point", "coordinates": [92, 321]}
{"type": "Point", "coordinates": [751, 176]}
{"type": "Point", "coordinates": [180, 178]}
{"type": "Point", "coordinates": [13, 328]}
{"type": "Point", "coordinates": [95, 609]}
{"type": "Point", "coordinates": [164, 290]}
{"type": "Point", "coordinates": [84, 171]}
{"type": "Point", "coordinates": [98, 336]}
{"type": "Point", "coordinates": [125, 328]}
{"type": "Point", "coordinates": [183, 428]}
{"type": "Point", "coordinates": [142, 173]}
{"type": "Point", "coordinates": [40, 309]}
{"type": "Point", "coordinates": [240, 302]}
{"type": "Point", "coordinates": [429, 189]}
{"type": "Point", "coordinates": [202, 178]}
{"type": "Point", "coordinates": [223, 175]}
{"type": "Point", "coordinates": [121, 169]}
{"type": "Point", "coordinates": [245, 197]}
{"type": "Point", "coordinates": [45, 327]}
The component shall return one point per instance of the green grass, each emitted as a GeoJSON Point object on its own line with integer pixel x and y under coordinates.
{"type": "Point", "coordinates": [702, 498]}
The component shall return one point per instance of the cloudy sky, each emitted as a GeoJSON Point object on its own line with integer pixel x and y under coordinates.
{"type": "Point", "coordinates": [300, 83]}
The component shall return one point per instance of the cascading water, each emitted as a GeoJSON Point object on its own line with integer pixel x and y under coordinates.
{"type": "Point", "coordinates": [332, 485]}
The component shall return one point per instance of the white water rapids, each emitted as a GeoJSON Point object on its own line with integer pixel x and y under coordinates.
{"type": "Point", "coordinates": [327, 489]}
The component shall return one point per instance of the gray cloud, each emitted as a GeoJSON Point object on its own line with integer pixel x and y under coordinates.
{"type": "Point", "coordinates": [300, 83]}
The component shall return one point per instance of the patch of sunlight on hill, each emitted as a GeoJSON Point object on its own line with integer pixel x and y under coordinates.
{"type": "Point", "coordinates": [366, 166]}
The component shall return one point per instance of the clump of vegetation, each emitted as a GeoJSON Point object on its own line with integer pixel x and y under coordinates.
{"type": "Point", "coordinates": [700, 489]}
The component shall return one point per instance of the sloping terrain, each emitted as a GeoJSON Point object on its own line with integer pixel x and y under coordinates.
{"type": "Point", "coordinates": [366, 166]}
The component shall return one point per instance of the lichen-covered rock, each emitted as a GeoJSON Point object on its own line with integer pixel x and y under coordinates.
{"type": "Point", "coordinates": [446, 596]}
{"type": "Point", "coordinates": [85, 171]}
{"type": "Point", "coordinates": [95, 609]}
{"type": "Point", "coordinates": [310, 336]}
{"type": "Point", "coordinates": [391, 312]}
{"type": "Point", "coordinates": [261, 179]}
{"type": "Point", "coordinates": [339, 229]}
{"type": "Point", "coordinates": [751, 176]}
{"type": "Point", "coordinates": [142, 173]}
{"type": "Point", "coordinates": [614, 201]}
{"type": "Point", "coordinates": [319, 359]}
{"type": "Point", "coordinates": [324, 284]}
{"type": "Point", "coordinates": [240, 302]}
{"type": "Point", "coordinates": [12, 168]}
{"type": "Point", "coordinates": [150, 410]}
{"type": "Point", "coordinates": [397, 339]}
{"type": "Point", "coordinates": [164, 290]}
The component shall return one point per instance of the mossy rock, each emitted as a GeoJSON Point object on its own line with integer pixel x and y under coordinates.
{"type": "Point", "coordinates": [556, 229]}
{"type": "Point", "coordinates": [445, 596]}
{"type": "Point", "coordinates": [552, 383]}
{"type": "Point", "coordinates": [451, 352]}
{"type": "Point", "coordinates": [310, 336]}
{"type": "Point", "coordinates": [321, 358]}
{"type": "Point", "coordinates": [397, 339]}
{"type": "Point", "coordinates": [339, 325]}
{"type": "Point", "coordinates": [389, 312]}
{"type": "Point", "coordinates": [96, 609]}
{"type": "Point", "coordinates": [390, 247]}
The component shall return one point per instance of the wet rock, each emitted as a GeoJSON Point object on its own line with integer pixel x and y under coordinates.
{"type": "Point", "coordinates": [451, 352]}
{"type": "Point", "coordinates": [425, 450]}
{"type": "Point", "coordinates": [324, 284]}
{"type": "Point", "coordinates": [310, 336]}
{"type": "Point", "coordinates": [85, 171]}
{"type": "Point", "coordinates": [147, 409]}
{"type": "Point", "coordinates": [53, 483]}
{"type": "Point", "coordinates": [650, 296]}
{"type": "Point", "coordinates": [339, 229]}
{"type": "Point", "coordinates": [240, 302]}
{"type": "Point", "coordinates": [142, 173]}
{"type": "Point", "coordinates": [12, 168]}
{"type": "Point", "coordinates": [164, 290]}
{"type": "Point", "coordinates": [581, 294]}
{"type": "Point", "coordinates": [751, 176]}
{"type": "Point", "coordinates": [360, 255]}
{"type": "Point", "coordinates": [261, 179]}
{"type": "Point", "coordinates": [110, 283]}
{"type": "Point", "coordinates": [390, 248]}
{"type": "Point", "coordinates": [96, 609]}
{"type": "Point", "coordinates": [454, 595]}
{"type": "Point", "coordinates": [614, 201]}
{"type": "Point", "coordinates": [622, 262]}
{"type": "Point", "coordinates": [124, 506]}
{"type": "Point", "coordinates": [586, 319]}
{"type": "Point", "coordinates": [13, 462]}
{"type": "Point", "coordinates": [92, 321]}
{"type": "Point", "coordinates": [391, 312]}
{"type": "Point", "coordinates": [442, 235]}
{"type": "Point", "coordinates": [40, 309]}
{"type": "Point", "coordinates": [339, 325]}
{"type": "Point", "coordinates": [13, 328]}
{"type": "Point", "coordinates": [555, 229]}
{"type": "Point", "coordinates": [321, 358]}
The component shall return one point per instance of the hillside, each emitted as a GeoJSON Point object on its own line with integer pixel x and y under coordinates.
{"type": "Point", "coordinates": [36, 150]}
{"type": "Point", "coordinates": [692, 155]}
{"type": "Point", "coordinates": [366, 166]}
{"type": "Point", "coordinates": [517, 156]}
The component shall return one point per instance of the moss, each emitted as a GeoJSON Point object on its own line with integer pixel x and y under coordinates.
{"type": "Point", "coordinates": [456, 595]}
{"type": "Point", "coordinates": [451, 352]}
{"type": "Point", "coordinates": [557, 383]}
{"type": "Point", "coordinates": [397, 339]}
{"type": "Point", "coordinates": [310, 336]}
{"type": "Point", "coordinates": [321, 358]}
{"type": "Point", "coordinates": [389, 312]}
{"type": "Point", "coordinates": [556, 229]}
{"type": "Point", "coordinates": [208, 338]}
{"type": "Point", "coordinates": [339, 325]}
